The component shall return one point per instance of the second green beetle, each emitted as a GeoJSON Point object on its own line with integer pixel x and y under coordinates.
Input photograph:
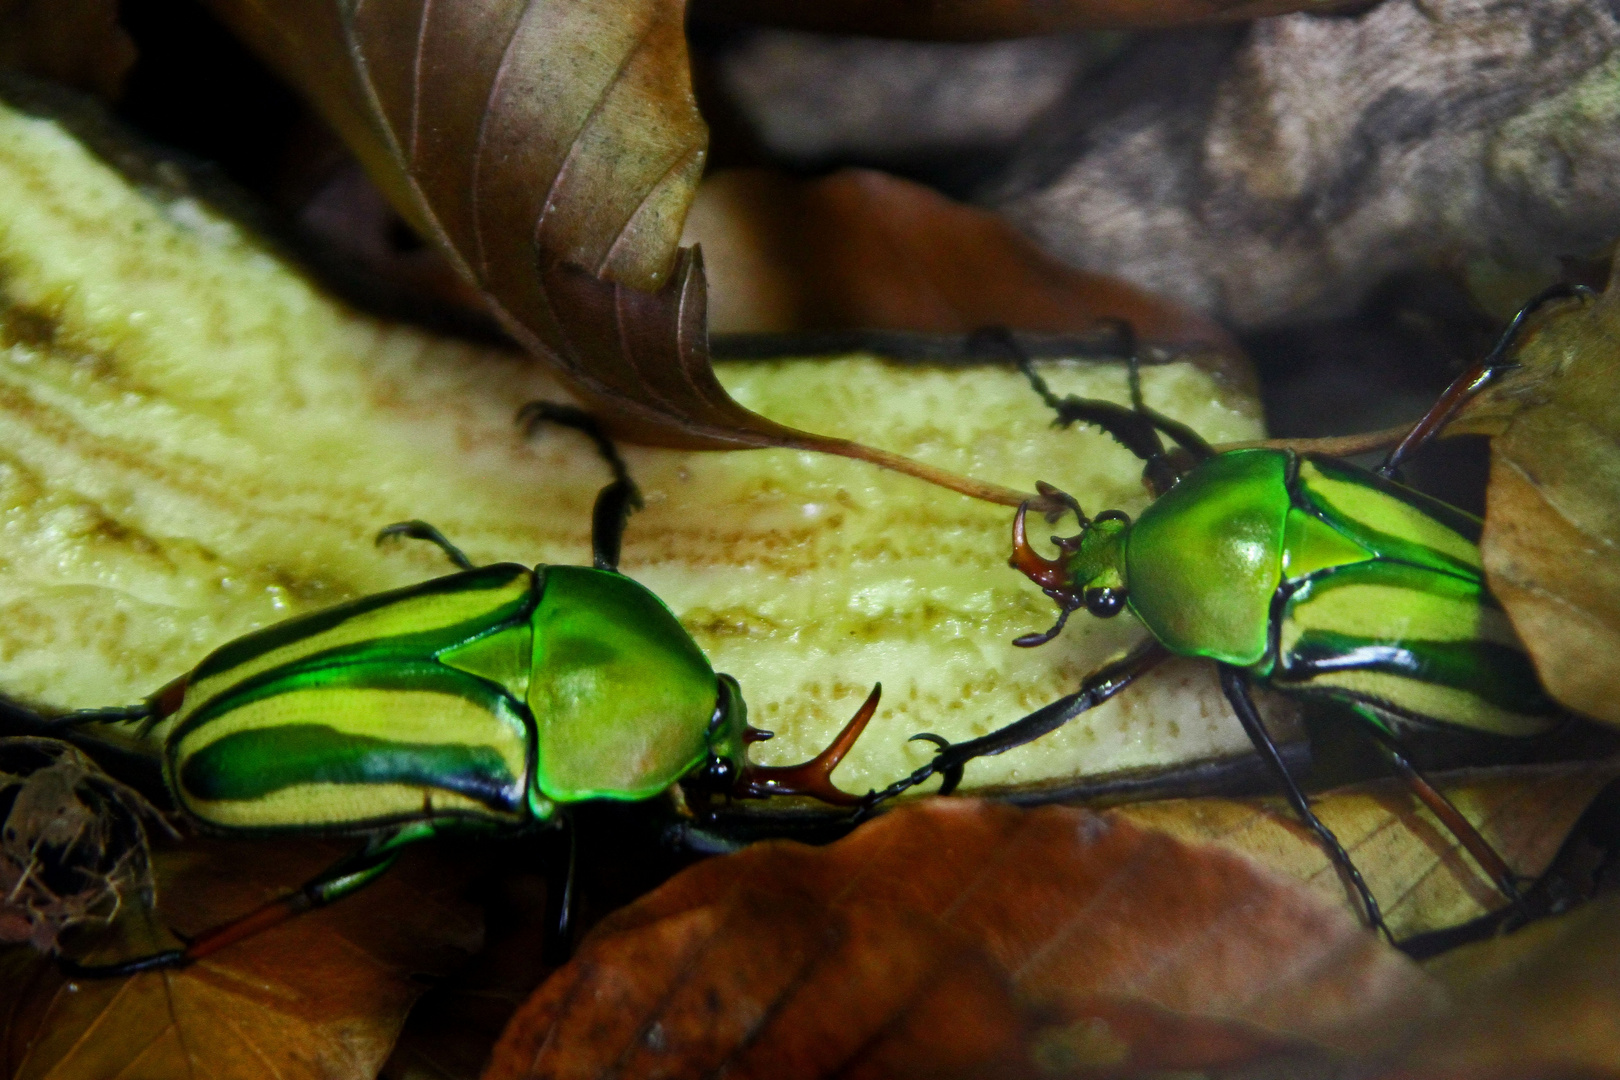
{"type": "Point", "coordinates": [486, 700]}
{"type": "Point", "coordinates": [1298, 572]}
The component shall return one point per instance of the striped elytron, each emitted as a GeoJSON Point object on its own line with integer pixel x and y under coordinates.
{"type": "Point", "coordinates": [1302, 573]}
{"type": "Point", "coordinates": [486, 700]}
{"type": "Point", "coordinates": [1315, 576]}
{"type": "Point", "coordinates": [498, 693]}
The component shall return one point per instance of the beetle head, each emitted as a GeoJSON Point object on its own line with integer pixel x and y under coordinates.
{"type": "Point", "coordinates": [729, 772]}
{"type": "Point", "coordinates": [1089, 571]}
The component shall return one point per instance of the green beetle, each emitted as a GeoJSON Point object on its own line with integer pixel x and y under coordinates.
{"type": "Point", "coordinates": [1298, 572]}
{"type": "Point", "coordinates": [487, 700]}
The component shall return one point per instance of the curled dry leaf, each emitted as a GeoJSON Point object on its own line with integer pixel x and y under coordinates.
{"type": "Point", "coordinates": [976, 20]}
{"type": "Point", "coordinates": [962, 937]}
{"type": "Point", "coordinates": [1552, 526]}
{"type": "Point", "coordinates": [323, 995]}
{"type": "Point", "coordinates": [551, 152]}
{"type": "Point", "coordinates": [515, 134]}
{"type": "Point", "coordinates": [1421, 878]}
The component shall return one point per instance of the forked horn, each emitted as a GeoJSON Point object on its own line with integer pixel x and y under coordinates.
{"type": "Point", "coordinates": [813, 777]}
{"type": "Point", "coordinates": [1047, 573]}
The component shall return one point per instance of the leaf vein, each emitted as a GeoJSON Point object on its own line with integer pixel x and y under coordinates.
{"type": "Point", "coordinates": [565, 167]}
{"type": "Point", "coordinates": [480, 143]}
{"type": "Point", "coordinates": [647, 193]}
{"type": "Point", "coordinates": [425, 13]}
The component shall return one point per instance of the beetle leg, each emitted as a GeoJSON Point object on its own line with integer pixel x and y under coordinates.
{"type": "Point", "coordinates": [559, 917]}
{"type": "Point", "coordinates": [1475, 379]}
{"type": "Point", "coordinates": [421, 530]}
{"type": "Point", "coordinates": [614, 505]}
{"type": "Point", "coordinates": [151, 712]}
{"type": "Point", "coordinates": [813, 777]}
{"type": "Point", "coordinates": [617, 501]}
{"type": "Point", "coordinates": [1097, 688]}
{"type": "Point", "coordinates": [1495, 867]}
{"type": "Point", "coordinates": [1137, 427]}
{"type": "Point", "coordinates": [345, 877]}
{"type": "Point", "coordinates": [1236, 688]}
{"type": "Point", "coordinates": [1185, 437]}
{"type": "Point", "coordinates": [951, 775]}
{"type": "Point", "coordinates": [116, 714]}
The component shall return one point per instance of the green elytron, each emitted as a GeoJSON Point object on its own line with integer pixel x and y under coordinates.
{"type": "Point", "coordinates": [486, 700]}
{"type": "Point", "coordinates": [1298, 572]}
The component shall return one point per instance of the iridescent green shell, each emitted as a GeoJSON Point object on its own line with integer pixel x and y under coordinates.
{"type": "Point", "coordinates": [488, 695]}
{"type": "Point", "coordinates": [1322, 578]}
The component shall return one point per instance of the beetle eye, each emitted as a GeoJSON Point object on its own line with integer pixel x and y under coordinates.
{"type": "Point", "coordinates": [720, 772]}
{"type": "Point", "coordinates": [716, 776]}
{"type": "Point", "coordinates": [722, 707]}
{"type": "Point", "coordinates": [1105, 603]}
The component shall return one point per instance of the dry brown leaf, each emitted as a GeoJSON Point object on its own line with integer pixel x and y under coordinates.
{"type": "Point", "coordinates": [515, 134]}
{"type": "Point", "coordinates": [977, 20]}
{"type": "Point", "coordinates": [78, 42]}
{"type": "Point", "coordinates": [963, 937]}
{"type": "Point", "coordinates": [550, 151]}
{"type": "Point", "coordinates": [1544, 1002]}
{"type": "Point", "coordinates": [73, 847]}
{"type": "Point", "coordinates": [321, 996]}
{"type": "Point", "coordinates": [862, 249]}
{"type": "Point", "coordinates": [1423, 881]}
{"type": "Point", "coordinates": [1551, 544]}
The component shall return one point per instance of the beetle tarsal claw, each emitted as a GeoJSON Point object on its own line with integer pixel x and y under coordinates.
{"type": "Point", "coordinates": [813, 777]}
{"type": "Point", "coordinates": [950, 775]}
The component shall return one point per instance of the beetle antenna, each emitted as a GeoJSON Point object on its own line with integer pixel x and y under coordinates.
{"type": "Point", "coordinates": [813, 777]}
{"type": "Point", "coordinates": [1029, 641]}
{"type": "Point", "coordinates": [1062, 501]}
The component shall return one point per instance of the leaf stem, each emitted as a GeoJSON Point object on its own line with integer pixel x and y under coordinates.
{"type": "Point", "coordinates": [965, 485]}
{"type": "Point", "coordinates": [1333, 446]}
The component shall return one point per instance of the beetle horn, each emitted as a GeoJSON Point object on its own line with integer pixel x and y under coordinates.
{"type": "Point", "coordinates": [1049, 574]}
{"type": "Point", "coordinates": [813, 777]}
